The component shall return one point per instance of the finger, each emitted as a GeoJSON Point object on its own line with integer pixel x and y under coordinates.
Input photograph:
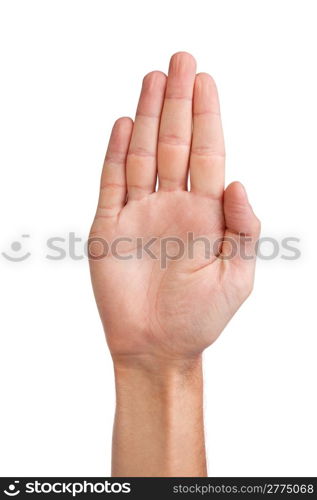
{"type": "Point", "coordinates": [176, 123]}
{"type": "Point", "coordinates": [207, 156]}
{"type": "Point", "coordinates": [113, 181]}
{"type": "Point", "coordinates": [242, 226]}
{"type": "Point", "coordinates": [141, 159]}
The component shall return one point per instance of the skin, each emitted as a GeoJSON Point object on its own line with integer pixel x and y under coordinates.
{"type": "Point", "coordinates": [159, 318]}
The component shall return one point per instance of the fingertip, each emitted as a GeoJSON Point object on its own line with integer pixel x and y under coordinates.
{"type": "Point", "coordinates": [205, 95]}
{"type": "Point", "coordinates": [240, 193]}
{"type": "Point", "coordinates": [238, 211]}
{"type": "Point", "coordinates": [184, 54]}
{"type": "Point", "coordinates": [205, 78]}
{"type": "Point", "coordinates": [123, 123]}
{"type": "Point", "coordinates": [237, 190]}
{"type": "Point", "coordinates": [121, 131]}
{"type": "Point", "coordinates": [154, 79]}
{"type": "Point", "coordinates": [120, 136]}
{"type": "Point", "coordinates": [182, 62]}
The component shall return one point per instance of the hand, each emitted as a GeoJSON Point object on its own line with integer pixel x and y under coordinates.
{"type": "Point", "coordinates": [171, 308]}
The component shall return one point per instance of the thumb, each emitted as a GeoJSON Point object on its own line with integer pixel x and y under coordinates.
{"type": "Point", "coordinates": [241, 222]}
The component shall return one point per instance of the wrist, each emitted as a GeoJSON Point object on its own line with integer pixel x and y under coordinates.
{"type": "Point", "coordinates": [141, 376]}
{"type": "Point", "coordinates": [156, 365]}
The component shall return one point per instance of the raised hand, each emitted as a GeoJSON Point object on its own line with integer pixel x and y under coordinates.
{"type": "Point", "coordinates": [171, 306]}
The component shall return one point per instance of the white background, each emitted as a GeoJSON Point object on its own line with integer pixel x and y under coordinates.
{"type": "Point", "coordinates": [68, 70]}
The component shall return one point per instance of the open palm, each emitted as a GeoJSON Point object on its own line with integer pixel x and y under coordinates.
{"type": "Point", "coordinates": [179, 266]}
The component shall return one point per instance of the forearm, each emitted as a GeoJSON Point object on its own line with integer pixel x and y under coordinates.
{"type": "Point", "coordinates": [158, 429]}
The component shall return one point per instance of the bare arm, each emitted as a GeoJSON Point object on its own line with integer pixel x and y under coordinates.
{"type": "Point", "coordinates": [158, 428]}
